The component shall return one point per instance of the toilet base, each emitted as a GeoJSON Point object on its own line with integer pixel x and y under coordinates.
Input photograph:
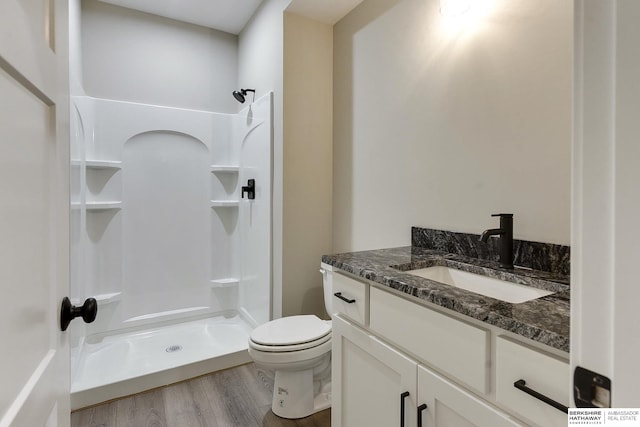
{"type": "Point", "coordinates": [293, 395]}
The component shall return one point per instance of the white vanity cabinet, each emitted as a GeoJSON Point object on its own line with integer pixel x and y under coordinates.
{"type": "Point", "coordinates": [402, 354]}
{"type": "Point", "coordinates": [372, 379]}
{"type": "Point", "coordinates": [350, 298]}
{"type": "Point", "coordinates": [457, 348]}
{"type": "Point", "coordinates": [537, 371]}
{"type": "Point", "coordinates": [380, 386]}
{"type": "Point", "coordinates": [449, 405]}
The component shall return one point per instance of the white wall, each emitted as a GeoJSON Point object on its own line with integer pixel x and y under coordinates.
{"type": "Point", "coordinates": [138, 57]}
{"type": "Point", "coordinates": [441, 128]}
{"type": "Point", "coordinates": [75, 48]}
{"type": "Point", "coordinates": [260, 56]}
{"type": "Point", "coordinates": [308, 143]}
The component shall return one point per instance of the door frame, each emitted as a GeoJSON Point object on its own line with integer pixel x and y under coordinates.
{"type": "Point", "coordinates": [605, 197]}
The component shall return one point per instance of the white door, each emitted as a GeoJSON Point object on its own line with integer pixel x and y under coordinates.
{"type": "Point", "coordinates": [375, 381]}
{"type": "Point", "coordinates": [34, 212]}
{"type": "Point", "coordinates": [605, 294]}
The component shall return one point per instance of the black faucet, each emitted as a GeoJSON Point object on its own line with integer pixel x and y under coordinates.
{"type": "Point", "coordinates": [506, 239]}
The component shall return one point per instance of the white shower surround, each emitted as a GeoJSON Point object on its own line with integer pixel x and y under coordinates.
{"type": "Point", "coordinates": [161, 236]}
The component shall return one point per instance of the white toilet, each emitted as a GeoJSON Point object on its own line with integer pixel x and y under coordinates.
{"type": "Point", "coordinates": [297, 351]}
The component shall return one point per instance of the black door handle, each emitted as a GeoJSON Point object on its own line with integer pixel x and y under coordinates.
{"type": "Point", "coordinates": [420, 409]}
{"type": "Point", "coordinates": [68, 312]}
{"type": "Point", "coordinates": [522, 385]}
{"type": "Point", "coordinates": [250, 189]}
{"type": "Point", "coordinates": [347, 300]}
{"type": "Point", "coordinates": [403, 396]}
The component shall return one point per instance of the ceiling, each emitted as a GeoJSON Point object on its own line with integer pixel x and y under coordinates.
{"type": "Point", "coordinates": [232, 15]}
{"type": "Point", "coordinates": [225, 15]}
{"type": "Point", "coordinates": [326, 11]}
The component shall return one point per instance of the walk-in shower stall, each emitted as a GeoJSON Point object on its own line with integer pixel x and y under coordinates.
{"type": "Point", "coordinates": [167, 239]}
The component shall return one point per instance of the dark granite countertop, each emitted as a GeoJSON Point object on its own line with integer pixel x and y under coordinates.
{"type": "Point", "coordinates": [545, 319]}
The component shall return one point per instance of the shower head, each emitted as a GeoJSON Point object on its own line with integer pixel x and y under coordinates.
{"type": "Point", "coordinates": [239, 95]}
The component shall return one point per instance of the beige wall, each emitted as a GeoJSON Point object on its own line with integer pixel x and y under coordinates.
{"type": "Point", "coordinates": [441, 128]}
{"type": "Point", "coordinates": [307, 174]}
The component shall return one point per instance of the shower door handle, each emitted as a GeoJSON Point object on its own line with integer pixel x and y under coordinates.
{"type": "Point", "coordinates": [250, 189]}
{"type": "Point", "coordinates": [68, 312]}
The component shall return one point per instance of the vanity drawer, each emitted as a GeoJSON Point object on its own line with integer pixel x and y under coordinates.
{"type": "Point", "coordinates": [453, 346]}
{"type": "Point", "coordinates": [350, 298]}
{"type": "Point", "coordinates": [544, 373]}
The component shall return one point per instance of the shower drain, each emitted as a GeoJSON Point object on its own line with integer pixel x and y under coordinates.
{"type": "Point", "coordinates": [173, 348]}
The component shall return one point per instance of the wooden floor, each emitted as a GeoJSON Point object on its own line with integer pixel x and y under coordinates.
{"type": "Point", "coordinates": [232, 398]}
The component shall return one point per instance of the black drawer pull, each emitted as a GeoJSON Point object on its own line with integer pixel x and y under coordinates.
{"type": "Point", "coordinates": [347, 300]}
{"type": "Point", "coordinates": [403, 396]}
{"type": "Point", "coordinates": [420, 409]}
{"type": "Point", "coordinates": [522, 385]}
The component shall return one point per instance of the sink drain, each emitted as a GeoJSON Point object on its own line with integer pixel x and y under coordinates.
{"type": "Point", "coordinates": [173, 348]}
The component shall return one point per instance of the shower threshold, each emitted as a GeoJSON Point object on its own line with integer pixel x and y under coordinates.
{"type": "Point", "coordinates": [129, 362]}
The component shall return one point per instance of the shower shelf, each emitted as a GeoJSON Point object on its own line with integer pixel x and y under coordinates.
{"type": "Point", "coordinates": [225, 168]}
{"type": "Point", "coordinates": [228, 282]}
{"type": "Point", "coordinates": [224, 203]}
{"type": "Point", "coordinates": [102, 299]}
{"type": "Point", "coordinates": [101, 206]}
{"type": "Point", "coordinates": [104, 164]}
{"type": "Point", "coordinates": [98, 164]}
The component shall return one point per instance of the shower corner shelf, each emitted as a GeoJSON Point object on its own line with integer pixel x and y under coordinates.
{"type": "Point", "coordinates": [104, 164]}
{"type": "Point", "coordinates": [228, 282]}
{"type": "Point", "coordinates": [224, 203]}
{"type": "Point", "coordinates": [102, 299]}
{"type": "Point", "coordinates": [102, 206]}
{"type": "Point", "coordinates": [225, 168]}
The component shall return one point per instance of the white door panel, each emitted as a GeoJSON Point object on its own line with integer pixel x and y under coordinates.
{"type": "Point", "coordinates": [606, 200]}
{"type": "Point", "coordinates": [34, 212]}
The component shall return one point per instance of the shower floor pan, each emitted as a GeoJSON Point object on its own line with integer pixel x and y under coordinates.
{"type": "Point", "coordinates": [122, 364]}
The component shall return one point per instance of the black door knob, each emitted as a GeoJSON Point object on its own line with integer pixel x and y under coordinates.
{"type": "Point", "coordinates": [68, 312]}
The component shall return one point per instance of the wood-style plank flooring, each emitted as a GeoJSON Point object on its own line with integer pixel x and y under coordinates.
{"type": "Point", "coordinates": [232, 398]}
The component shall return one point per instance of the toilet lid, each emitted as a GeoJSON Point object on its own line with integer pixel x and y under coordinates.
{"type": "Point", "coordinates": [291, 330]}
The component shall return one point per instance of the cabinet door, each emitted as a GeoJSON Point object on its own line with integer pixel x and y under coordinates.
{"type": "Point", "coordinates": [368, 380]}
{"type": "Point", "coordinates": [544, 373]}
{"type": "Point", "coordinates": [451, 406]}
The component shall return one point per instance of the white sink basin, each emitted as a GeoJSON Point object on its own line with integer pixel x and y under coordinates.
{"type": "Point", "coordinates": [487, 286]}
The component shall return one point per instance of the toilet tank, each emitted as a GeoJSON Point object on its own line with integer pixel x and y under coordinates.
{"type": "Point", "coordinates": [327, 286]}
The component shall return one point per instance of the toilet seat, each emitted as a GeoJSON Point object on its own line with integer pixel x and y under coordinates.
{"type": "Point", "coordinates": [290, 360]}
{"type": "Point", "coordinates": [291, 333]}
{"type": "Point", "coordinates": [289, 348]}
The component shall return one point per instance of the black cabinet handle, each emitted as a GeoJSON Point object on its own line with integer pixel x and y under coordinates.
{"type": "Point", "coordinates": [420, 409]}
{"type": "Point", "coordinates": [522, 385]}
{"type": "Point", "coordinates": [68, 312]}
{"type": "Point", "coordinates": [403, 396]}
{"type": "Point", "coordinates": [347, 300]}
